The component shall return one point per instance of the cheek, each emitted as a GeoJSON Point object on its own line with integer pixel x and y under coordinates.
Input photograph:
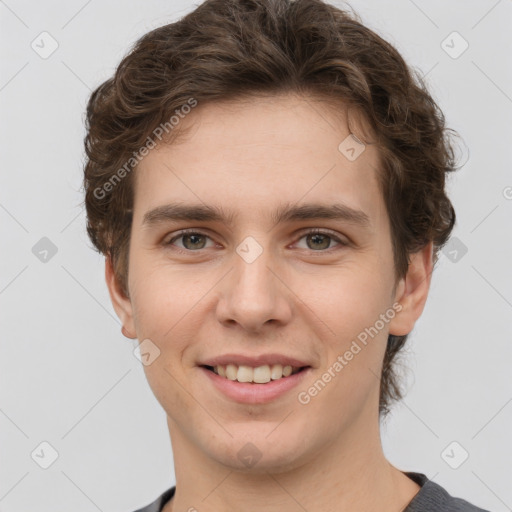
{"type": "Point", "coordinates": [345, 299]}
{"type": "Point", "coordinates": [164, 304]}
{"type": "Point", "coordinates": [164, 298]}
{"type": "Point", "coordinates": [164, 307]}
{"type": "Point", "coordinates": [347, 306]}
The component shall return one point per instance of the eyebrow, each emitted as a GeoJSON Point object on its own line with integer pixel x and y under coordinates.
{"type": "Point", "coordinates": [285, 213]}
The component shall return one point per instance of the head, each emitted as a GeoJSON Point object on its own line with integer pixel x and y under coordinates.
{"type": "Point", "coordinates": [244, 107]}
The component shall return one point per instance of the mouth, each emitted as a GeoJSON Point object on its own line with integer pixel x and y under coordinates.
{"type": "Point", "coordinates": [254, 385]}
{"type": "Point", "coordinates": [255, 375]}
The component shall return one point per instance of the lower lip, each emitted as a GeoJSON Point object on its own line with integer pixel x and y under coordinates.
{"type": "Point", "coordinates": [249, 393]}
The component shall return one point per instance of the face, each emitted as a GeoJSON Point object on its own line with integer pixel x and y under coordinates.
{"type": "Point", "coordinates": [288, 264]}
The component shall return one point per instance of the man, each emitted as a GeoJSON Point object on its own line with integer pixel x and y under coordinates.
{"type": "Point", "coordinates": [267, 181]}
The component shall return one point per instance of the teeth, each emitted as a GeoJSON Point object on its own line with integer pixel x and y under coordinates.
{"type": "Point", "coordinates": [231, 371]}
{"type": "Point", "coordinates": [287, 371]}
{"type": "Point", "coordinates": [259, 375]}
{"type": "Point", "coordinates": [245, 374]}
{"type": "Point", "coordinates": [276, 372]}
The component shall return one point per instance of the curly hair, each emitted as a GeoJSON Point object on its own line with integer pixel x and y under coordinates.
{"type": "Point", "coordinates": [231, 49]}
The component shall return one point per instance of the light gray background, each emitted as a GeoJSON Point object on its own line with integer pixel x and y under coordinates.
{"type": "Point", "coordinates": [69, 377]}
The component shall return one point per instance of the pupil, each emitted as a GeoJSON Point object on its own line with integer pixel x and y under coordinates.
{"type": "Point", "coordinates": [325, 239]}
{"type": "Point", "coordinates": [191, 237]}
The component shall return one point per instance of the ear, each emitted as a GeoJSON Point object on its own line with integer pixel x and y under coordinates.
{"type": "Point", "coordinates": [122, 304]}
{"type": "Point", "coordinates": [412, 291]}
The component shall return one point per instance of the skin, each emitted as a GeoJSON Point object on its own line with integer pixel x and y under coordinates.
{"type": "Point", "coordinates": [297, 298]}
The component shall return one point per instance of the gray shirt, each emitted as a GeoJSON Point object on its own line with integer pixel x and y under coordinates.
{"type": "Point", "coordinates": [430, 498]}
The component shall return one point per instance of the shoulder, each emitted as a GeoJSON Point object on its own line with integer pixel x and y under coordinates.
{"type": "Point", "coordinates": [432, 496]}
{"type": "Point", "coordinates": [158, 504]}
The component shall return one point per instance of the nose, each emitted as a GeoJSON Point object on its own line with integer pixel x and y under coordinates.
{"type": "Point", "coordinates": [254, 295]}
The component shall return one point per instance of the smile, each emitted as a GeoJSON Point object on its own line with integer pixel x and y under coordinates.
{"type": "Point", "coordinates": [254, 385]}
{"type": "Point", "coordinates": [259, 375]}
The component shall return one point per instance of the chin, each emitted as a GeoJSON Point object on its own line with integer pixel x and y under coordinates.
{"type": "Point", "coordinates": [258, 452]}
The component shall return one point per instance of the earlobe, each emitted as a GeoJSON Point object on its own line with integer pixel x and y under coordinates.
{"type": "Point", "coordinates": [412, 291]}
{"type": "Point", "coordinates": [121, 303]}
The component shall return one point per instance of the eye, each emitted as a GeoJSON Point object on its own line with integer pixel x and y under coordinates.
{"type": "Point", "coordinates": [319, 240]}
{"type": "Point", "coordinates": [191, 240]}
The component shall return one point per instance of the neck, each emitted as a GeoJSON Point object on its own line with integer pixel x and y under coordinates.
{"type": "Point", "coordinates": [352, 474]}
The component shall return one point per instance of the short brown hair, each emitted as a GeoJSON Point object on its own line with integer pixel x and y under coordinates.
{"type": "Point", "coordinates": [230, 49]}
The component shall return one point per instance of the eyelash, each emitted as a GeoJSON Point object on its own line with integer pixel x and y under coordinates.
{"type": "Point", "coordinates": [314, 231]}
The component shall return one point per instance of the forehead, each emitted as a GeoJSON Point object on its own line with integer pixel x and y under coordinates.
{"type": "Point", "coordinates": [252, 155]}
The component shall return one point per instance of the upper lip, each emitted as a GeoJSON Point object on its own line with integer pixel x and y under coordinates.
{"type": "Point", "coordinates": [253, 361]}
